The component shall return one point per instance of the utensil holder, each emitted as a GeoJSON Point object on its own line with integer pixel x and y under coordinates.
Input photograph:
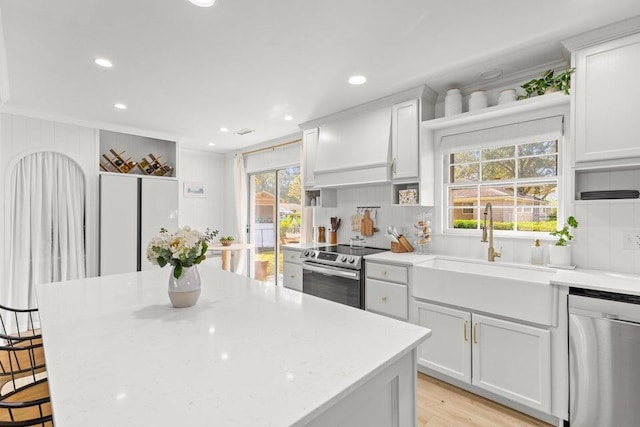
{"type": "Point", "coordinates": [333, 237]}
{"type": "Point", "coordinates": [402, 246]}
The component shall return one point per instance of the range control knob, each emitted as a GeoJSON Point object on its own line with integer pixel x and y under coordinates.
{"type": "Point", "coordinates": [313, 254]}
{"type": "Point", "coordinates": [343, 258]}
{"type": "Point", "coordinates": [352, 260]}
{"type": "Point", "coordinates": [305, 254]}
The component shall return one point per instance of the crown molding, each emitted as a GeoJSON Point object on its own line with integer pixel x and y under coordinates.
{"type": "Point", "coordinates": [603, 34]}
{"type": "Point", "coordinates": [423, 91]}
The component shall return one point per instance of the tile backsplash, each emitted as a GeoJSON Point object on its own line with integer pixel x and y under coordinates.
{"type": "Point", "coordinates": [598, 240]}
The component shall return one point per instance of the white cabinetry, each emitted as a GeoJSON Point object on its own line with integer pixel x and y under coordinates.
{"type": "Point", "coordinates": [507, 358]}
{"type": "Point", "coordinates": [606, 101]}
{"type": "Point", "coordinates": [132, 210]}
{"type": "Point", "coordinates": [405, 140]}
{"type": "Point", "coordinates": [386, 289]}
{"type": "Point", "coordinates": [292, 271]}
{"type": "Point", "coordinates": [309, 148]}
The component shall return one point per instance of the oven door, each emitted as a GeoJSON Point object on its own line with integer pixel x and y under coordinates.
{"type": "Point", "coordinates": [333, 283]}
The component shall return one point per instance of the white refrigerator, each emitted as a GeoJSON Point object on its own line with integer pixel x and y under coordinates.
{"type": "Point", "coordinates": [132, 211]}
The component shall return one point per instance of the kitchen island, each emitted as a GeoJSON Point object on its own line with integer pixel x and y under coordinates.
{"type": "Point", "coordinates": [247, 354]}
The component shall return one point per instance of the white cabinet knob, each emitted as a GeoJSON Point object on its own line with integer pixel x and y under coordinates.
{"type": "Point", "coordinates": [384, 273]}
{"type": "Point", "coordinates": [383, 299]}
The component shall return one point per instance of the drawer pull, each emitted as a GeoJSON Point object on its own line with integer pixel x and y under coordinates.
{"type": "Point", "coordinates": [465, 331]}
{"type": "Point", "coordinates": [383, 299]}
{"type": "Point", "coordinates": [384, 273]}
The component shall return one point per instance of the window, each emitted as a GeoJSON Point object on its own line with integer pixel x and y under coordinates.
{"type": "Point", "coordinates": [519, 180]}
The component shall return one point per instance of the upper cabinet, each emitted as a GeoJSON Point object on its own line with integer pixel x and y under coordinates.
{"type": "Point", "coordinates": [405, 140]}
{"type": "Point", "coordinates": [606, 100]}
{"type": "Point", "coordinates": [309, 149]}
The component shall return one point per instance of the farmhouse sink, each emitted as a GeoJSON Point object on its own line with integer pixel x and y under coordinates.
{"type": "Point", "coordinates": [521, 292]}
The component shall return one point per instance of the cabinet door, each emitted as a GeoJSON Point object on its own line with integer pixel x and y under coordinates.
{"type": "Point", "coordinates": [159, 209]}
{"type": "Point", "coordinates": [606, 100]}
{"type": "Point", "coordinates": [292, 276]}
{"type": "Point", "coordinates": [512, 360]}
{"type": "Point", "coordinates": [448, 349]}
{"type": "Point", "coordinates": [292, 255]}
{"type": "Point", "coordinates": [310, 147]}
{"type": "Point", "coordinates": [118, 224]}
{"type": "Point", "coordinates": [405, 128]}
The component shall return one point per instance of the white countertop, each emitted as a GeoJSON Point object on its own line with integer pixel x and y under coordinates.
{"type": "Point", "coordinates": [598, 280]}
{"type": "Point", "coordinates": [406, 258]}
{"type": "Point", "coordinates": [248, 353]}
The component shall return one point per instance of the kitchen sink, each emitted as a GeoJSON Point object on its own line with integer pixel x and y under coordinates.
{"type": "Point", "coordinates": [518, 291]}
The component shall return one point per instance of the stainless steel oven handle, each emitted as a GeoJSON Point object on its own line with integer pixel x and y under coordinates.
{"type": "Point", "coordinates": [348, 274]}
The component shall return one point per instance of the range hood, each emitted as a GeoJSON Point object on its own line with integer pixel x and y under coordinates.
{"type": "Point", "coordinates": [354, 150]}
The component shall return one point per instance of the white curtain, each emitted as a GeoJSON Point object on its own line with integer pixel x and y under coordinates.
{"type": "Point", "coordinates": [240, 192]}
{"type": "Point", "coordinates": [47, 224]}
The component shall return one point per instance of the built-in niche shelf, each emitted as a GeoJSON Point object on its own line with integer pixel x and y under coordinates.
{"type": "Point", "coordinates": [410, 190]}
{"type": "Point", "coordinates": [607, 178]}
{"type": "Point", "coordinates": [135, 148]}
{"type": "Point", "coordinates": [498, 111]}
{"type": "Point", "coordinates": [321, 198]}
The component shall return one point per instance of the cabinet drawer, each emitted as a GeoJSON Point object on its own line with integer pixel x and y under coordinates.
{"type": "Point", "coordinates": [292, 255]}
{"type": "Point", "coordinates": [386, 298]}
{"type": "Point", "coordinates": [292, 276]}
{"type": "Point", "coordinates": [386, 272]}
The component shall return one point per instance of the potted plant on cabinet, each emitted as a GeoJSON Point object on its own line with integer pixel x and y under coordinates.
{"type": "Point", "coordinates": [560, 252]}
{"type": "Point", "coordinates": [549, 82]}
{"type": "Point", "coordinates": [226, 240]}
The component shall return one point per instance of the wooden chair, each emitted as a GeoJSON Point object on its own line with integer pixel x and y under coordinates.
{"type": "Point", "coordinates": [24, 389]}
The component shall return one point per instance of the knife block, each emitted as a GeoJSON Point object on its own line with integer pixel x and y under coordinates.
{"type": "Point", "coordinates": [402, 246]}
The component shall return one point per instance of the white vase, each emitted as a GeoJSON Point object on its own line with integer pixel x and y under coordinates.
{"type": "Point", "coordinates": [560, 255]}
{"type": "Point", "coordinates": [478, 100]}
{"type": "Point", "coordinates": [452, 102]}
{"type": "Point", "coordinates": [185, 290]}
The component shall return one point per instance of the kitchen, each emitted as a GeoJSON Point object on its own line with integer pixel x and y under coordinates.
{"type": "Point", "coordinates": [33, 119]}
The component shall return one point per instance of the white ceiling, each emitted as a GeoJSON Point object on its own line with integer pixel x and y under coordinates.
{"type": "Point", "coordinates": [186, 71]}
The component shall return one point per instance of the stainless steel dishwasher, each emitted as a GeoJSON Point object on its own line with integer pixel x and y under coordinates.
{"type": "Point", "coordinates": [604, 359]}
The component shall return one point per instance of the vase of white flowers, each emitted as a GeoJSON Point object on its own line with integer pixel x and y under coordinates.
{"type": "Point", "coordinates": [184, 250]}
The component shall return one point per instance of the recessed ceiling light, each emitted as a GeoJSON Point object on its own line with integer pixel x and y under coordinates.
{"type": "Point", "coordinates": [490, 74]}
{"type": "Point", "coordinates": [212, 144]}
{"type": "Point", "coordinates": [288, 118]}
{"type": "Point", "coordinates": [103, 62]}
{"type": "Point", "coordinates": [224, 130]}
{"type": "Point", "coordinates": [203, 3]}
{"type": "Point", "coordinates": [357, 80]}
{"type": "Point", "coordinates": [120, 106]}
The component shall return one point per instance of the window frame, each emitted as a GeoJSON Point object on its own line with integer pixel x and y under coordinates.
{"type": "Point", "coordinates": [444, 150]}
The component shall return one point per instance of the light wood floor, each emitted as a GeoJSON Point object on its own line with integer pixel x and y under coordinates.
{"type": "Point", "coordinates": [443, 405]}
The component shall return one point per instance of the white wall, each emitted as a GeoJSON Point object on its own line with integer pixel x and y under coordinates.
{"type": "Point", "coordinates": [209, 211]}
{"type": "Point", "coordinates": [20, 136]}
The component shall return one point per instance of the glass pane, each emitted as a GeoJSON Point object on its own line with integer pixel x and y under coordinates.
{"type": "Point", "coordinates": [497, 195]}
{"type": "Point", "coordinates": [465, 156]}
{"type": "Point", "coordinates": [463, 218]}
{"type": "Point", "coordinates": [465, 173]}
{"type": "Point", "coordinates": [538, 195]}
{"type": "Point", "coordinates": [498, 153]}
{"type": "Point", "coordinates": [537, 148]}
{"type": "Point", "coordinates": [532, 167]}
{"type": "Point", "coordinates": [263, 224]}
{"type": "Point", "coordinates": [536, 218]}
{"type": "Point", "coordinates": [463, 196]}
{"type": "Point", "coordinates": [502, 169]}
{"type": "Point", "coordinates": [503, 218]}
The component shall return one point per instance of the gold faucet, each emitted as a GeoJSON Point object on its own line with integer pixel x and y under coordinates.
{"type": "Point", "coordinates": [488, 210]}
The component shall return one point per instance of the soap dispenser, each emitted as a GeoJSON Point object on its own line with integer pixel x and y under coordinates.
{"type": "Point", "coordinates": [537, 255]}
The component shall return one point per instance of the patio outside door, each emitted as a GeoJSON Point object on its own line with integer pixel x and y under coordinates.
{"type": "Point", "coordinates": [274, 218]}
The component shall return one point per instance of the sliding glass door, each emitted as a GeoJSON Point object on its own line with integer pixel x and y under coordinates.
{"type": "Point", "coordinates": [274, 219]}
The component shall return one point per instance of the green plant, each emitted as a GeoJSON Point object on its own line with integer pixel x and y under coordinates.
{"type": "Point", "coordinates": [563, 235]}
{"type": "Point", "coordinates": [560, 81]}
{"type": "Point", "coordinates": [228, 238]}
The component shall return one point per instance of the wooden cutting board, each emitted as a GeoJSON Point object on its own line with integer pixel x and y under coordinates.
{"type": "Point", "coordinates": [366, 224]}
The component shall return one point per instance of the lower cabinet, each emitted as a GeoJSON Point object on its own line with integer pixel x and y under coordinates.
{"type": "Point", "coordinates": [507, 358]}
{"type": "Point", "coordinates": [292, 276]}
{"type": "Point", "coordinates": [292, 268]}
{"type": "Point", "coordinates": [386, 290]}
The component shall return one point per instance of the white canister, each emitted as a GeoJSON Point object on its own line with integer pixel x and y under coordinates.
{"type": "Point", "coordinates": [452, 102]}
{"type": "Point", "coordinates": [508, 95]}
{"type": "Point", "coordinates": [478, 100]}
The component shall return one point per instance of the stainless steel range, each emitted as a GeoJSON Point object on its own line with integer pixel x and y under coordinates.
{"type": "Point", "coordinates": [336, 273]}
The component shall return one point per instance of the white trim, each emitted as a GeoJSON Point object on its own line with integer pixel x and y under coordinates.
{"type": "Point", "coordinates": [603, 34]}
{"type": "Point", "coordinates": [5, 93]}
